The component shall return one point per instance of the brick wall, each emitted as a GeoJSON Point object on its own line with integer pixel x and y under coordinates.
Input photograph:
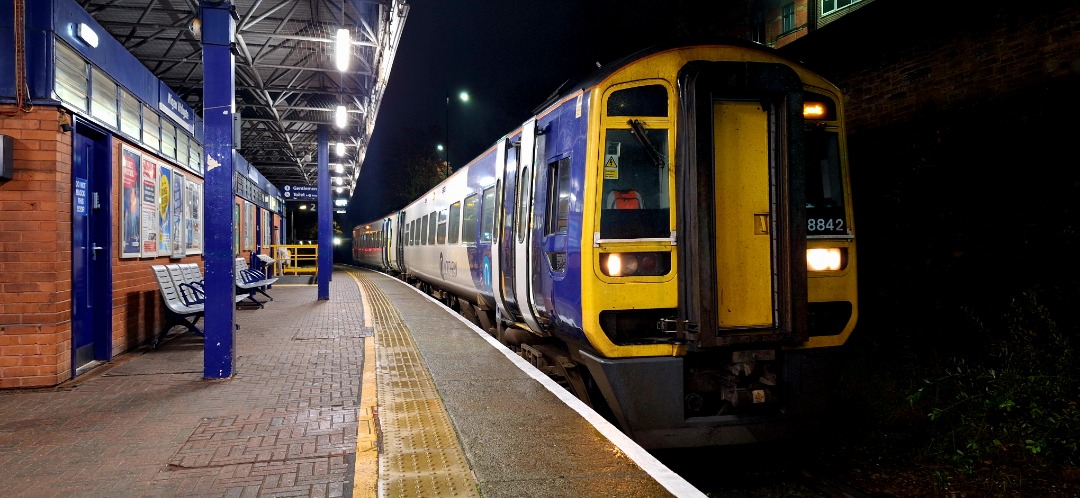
{"type": "Point", "coordinates": [35, 252]}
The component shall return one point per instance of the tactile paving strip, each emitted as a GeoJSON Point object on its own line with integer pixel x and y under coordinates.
{"type": "Point", "coordinates": [419, 452]}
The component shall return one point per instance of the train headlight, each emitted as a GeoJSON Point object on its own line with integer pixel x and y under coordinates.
{"type": "Point", "coordinates": [635, 264]}
{"type": "Point", "coordinates": [824, 259]}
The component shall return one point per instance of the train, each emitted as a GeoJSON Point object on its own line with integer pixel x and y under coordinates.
{"type": "Point", "coordinates": [671, 238]}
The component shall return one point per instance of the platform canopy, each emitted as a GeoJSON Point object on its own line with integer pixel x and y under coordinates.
{"type": "Point", "coordinates": [287, 82]}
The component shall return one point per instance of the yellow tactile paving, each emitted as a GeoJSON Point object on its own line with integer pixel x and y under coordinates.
{"type": "Point", "coordinates": [418, 450]}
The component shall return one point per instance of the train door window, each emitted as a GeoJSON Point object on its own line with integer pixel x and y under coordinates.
{"type": "Point", "coordinates": [440, 235]}
{"type": "Point", "coordinates": [469, 216]}
{"type": "Point", "coordinates": [423, 230]}
{"type": "Point", "coordinates": [411, 239]}
{"type": "Point", "coordinates": [431, 228]}
{"type": "Point", "coordinates": [558, 212]}
{"type": "Point", "coordinates": [635, 169]}
{"type": "Point", "coordinates": [487, 210]}
{"type": "Point", "coordinates": [524, 199]}
{"type": "Point", "coordinates": [406, 234]}
{"type": "Point", "coordinates": [455, 222]}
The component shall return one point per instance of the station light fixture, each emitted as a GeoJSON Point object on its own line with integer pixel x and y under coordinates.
{"type": "Point", "coordinates": [339, 168]}
{"type": "Point", "coordinates": [339, 180]}
{"type": "Point", "coordinates": [340, 149]}
{"type": "Point", "coordinates": [339, 190]}
{"type": "Point", "coordinates": [88, 35]}
{"type": "Point", "coordinates": [341, 202]}
{"type": "Point", "coordinates": [342, 50]}
{"type": "Point", "coordinates": [341, 117]}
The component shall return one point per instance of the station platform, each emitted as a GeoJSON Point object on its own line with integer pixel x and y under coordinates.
{"type": "Point", "coordinates": [379, 391]}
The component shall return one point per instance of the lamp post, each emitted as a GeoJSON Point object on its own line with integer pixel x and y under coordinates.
{"type": "Point", "coordinates": [464, 97]}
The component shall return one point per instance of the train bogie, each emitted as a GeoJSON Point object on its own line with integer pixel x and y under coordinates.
{"type": "Point", "coordinates": [676, 230]}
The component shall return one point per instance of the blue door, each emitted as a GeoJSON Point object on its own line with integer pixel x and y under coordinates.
{"type": "Point", "coordinates": [91, 253]}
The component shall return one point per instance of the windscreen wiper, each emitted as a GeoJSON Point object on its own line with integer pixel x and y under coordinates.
{"type": "Point", "coordinates": [638, 130]}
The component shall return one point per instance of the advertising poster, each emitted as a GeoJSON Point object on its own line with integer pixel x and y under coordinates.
{"type": "Point", "coordinates": [249, 226]}
{"type": "Point", "coordinates": [176, 208]}
{"type": "Point", "coordinates": [164, 206]}
{"type": "Point", "coordinates": [130, 207]}
{"type": "Point", "coordinates": [236, 223]}
{"type": "Point", "coordinates": [193, 217]}
{"type": "Point", "coordinates": [150, 223]}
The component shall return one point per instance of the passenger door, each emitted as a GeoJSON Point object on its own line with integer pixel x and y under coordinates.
{"type": "Point", "coordinates": [91, 251]}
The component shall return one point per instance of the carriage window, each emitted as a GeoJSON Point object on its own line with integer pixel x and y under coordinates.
{"type": "Point", "coordinates": [455, 219]}
{"type": "Point", "coordinates": [423, 230]}
{"type": "Point", "coordinates": [524, 200]}
{"type": "Point", "coordinates": [431, 229]}
{"type": "Point", "coordinates": [825, 213]}
{"type": "Point", "coordinates": [415, 234]}
{"type": "Point", "coordinates": [440, 236]}
{"type": "Point", "coordinates": [635, 188]}
{"type": "Point", "coordinates": [468, 219]}
{"type": "Point", "coordinates": [559, 200]}
{"type": "Point", "coordinates": [488, 212]}
{"type": "Point", "coordinates": [648, 100]}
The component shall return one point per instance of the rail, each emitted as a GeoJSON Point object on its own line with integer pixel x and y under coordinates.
{"type": "Point", "coordinates": [294, 259]}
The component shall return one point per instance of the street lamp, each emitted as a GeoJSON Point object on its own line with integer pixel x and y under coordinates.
{"type": "Point", "coordinates": [463, 97]}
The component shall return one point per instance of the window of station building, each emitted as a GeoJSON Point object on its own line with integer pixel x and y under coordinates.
{"type": "Point", "coordinates": [182, 149]}
{"type": "Point", "coordinates": [168, 139]}
{"type": "Point", "coordinates": [455, 222]}
{"type": "Point", "coordinates": [151, 133]}
{"type": "Point", "coordinates": [469, 218]}
{"type": "Point", "coordinates": [431, 228]}
{"type": "Point", "coordinates": [440, 235]}
{"type": "Point", "coordinates": [130, 121]}
{"type": "Point", "coordinates": [830, 6]}
{"type": "Point", "coordinates": [487, 226]}
{"type": "Point", "coordinates": [103, 98]}
{"type": "Point", "coordinates": [423, 230]}
{"type": "Point", "coordinates": [195, 157]}
{"type": "Point", "coordinates": [72, 77]}
{"type": "Point", "coordinates": [558, 213]}
{"type": "Point", "coordinates": [787, 18]}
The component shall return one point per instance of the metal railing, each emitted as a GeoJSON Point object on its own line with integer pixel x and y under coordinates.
{"type": "Point", "coordinates": [300, 258]}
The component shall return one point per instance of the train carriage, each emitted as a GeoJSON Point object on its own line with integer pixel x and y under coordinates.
{"type": "Point", "coordinates": [672, 238]}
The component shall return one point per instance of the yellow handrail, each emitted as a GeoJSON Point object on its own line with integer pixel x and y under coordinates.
{"type": "Point", "coordinates": [295, 258]}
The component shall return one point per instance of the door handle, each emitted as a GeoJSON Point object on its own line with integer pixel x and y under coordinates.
{"type": "Point", "coordinates": [95, 248]}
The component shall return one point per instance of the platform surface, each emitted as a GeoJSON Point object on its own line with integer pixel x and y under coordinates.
{"type": "Point", "coordinates": [344, 397]}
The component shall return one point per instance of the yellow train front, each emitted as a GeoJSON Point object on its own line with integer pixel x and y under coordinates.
{"type": "Point", "coordinates": [717, 260]}
{"type": "Point", "coordinates": [672, 238]}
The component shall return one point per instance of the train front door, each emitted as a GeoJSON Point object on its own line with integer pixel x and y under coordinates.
{"type": "Point", "coordinates": [91, 251]}
{"type": "Point", "coordinates": [742, 204]}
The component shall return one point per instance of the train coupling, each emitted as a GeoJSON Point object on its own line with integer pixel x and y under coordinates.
{"type": "Point", "coordinates": [683, 330]}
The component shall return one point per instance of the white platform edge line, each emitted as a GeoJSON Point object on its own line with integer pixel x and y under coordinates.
{"type": "Point", "coordinates": [655, 468]}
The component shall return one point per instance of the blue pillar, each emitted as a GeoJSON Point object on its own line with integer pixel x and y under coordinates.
{"type": "Point", "coordinates": [219, 28]}
{"type": "Point", "coordinates": [326, 226]}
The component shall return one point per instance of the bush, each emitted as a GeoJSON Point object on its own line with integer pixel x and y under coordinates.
{"type": "Point", "coordinates": [1013, 398]}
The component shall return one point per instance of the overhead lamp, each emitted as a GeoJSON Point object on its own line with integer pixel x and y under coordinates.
{"type": "Point", "coordinates": [342, 50]}
{"type": "Point", "coordinates": [87, 35]}
{"type": "Point", "coordinates": [340, 116]}
{"type": "Point", "coordinates": [339, 190]}
{"type": "Point", "coordinates": [339, 180]}
{"type": "Point", "coordinates": [341, 202]}
{"type": "Point", "coordinates": [340, 149]}
{"type": "Point", "coordinates": [339, 168]}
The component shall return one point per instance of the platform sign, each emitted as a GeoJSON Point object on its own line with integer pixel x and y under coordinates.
{"type": "Point", "coordinates": [300, 192]}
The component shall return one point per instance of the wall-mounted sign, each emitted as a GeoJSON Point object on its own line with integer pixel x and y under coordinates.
{"type": "Point", "coordinates": [173, 106]}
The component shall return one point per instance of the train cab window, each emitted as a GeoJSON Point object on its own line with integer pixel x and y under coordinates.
{"type": "Point", "coordinates": [469, 216]}
{"type": "Point", "coordinates": [431, 229]}
{"type": "Point", "coordinates": [487, 210]}
{"type": "Point", "coordinates": [635, 185]}
{"type": "Point", "coordinates": [455, 221]}
{"type": "Point", "coordinates": [423, 230]}
{"type": "Point", "coordinates": [440, 234]}
{"type": "Point", "coordinates": [825, 213]}
{"type": "Point", "coordinates": [647, 100]}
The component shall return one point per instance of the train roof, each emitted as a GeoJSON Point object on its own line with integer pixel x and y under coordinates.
{"type": "Point", "coordinates": [592, 76]}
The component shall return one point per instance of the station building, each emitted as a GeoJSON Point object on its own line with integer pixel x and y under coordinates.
{"type": "Point", "coordinates": [101, 176]}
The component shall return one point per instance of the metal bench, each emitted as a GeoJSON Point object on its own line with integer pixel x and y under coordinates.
{"type": "Point", "coordinates": [184, 294]}
{"type": "Point", "coordinates": [252, 281]}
